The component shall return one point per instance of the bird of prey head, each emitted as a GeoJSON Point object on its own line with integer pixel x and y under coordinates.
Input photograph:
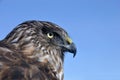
{"type": "Point", "coordinates": [42, 44]}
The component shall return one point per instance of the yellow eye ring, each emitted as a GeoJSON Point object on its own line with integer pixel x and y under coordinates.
{"type": "Point", "coordinates": [50, 35]}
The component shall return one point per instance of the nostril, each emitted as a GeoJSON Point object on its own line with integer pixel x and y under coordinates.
{"type": "Point", "coordinates": [68, 43]}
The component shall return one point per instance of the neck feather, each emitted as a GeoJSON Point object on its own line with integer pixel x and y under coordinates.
{"type": "Point", "coordinates": [47, 55]}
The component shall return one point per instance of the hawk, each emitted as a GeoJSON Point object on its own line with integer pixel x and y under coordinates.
{"type": "Point", "coordinates": [34, 50]}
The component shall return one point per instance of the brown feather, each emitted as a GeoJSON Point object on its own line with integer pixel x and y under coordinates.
{"type": "Point", "coordinates": [14, 66]}
{"type": "Point", "coordinates": [27, 53]}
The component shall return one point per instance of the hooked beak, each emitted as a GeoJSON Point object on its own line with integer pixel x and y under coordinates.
{"type": "Point", "coordinates": [70, 46]}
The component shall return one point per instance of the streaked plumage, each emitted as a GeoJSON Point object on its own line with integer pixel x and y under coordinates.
{"type": "Point", "coordinates": [34, 50]}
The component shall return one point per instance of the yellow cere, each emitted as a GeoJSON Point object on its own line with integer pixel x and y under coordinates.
{"type": "Point", "coordinates": [69, 40]}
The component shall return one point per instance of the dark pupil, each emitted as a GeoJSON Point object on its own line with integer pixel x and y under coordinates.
{"type": "Point", "coordinates": [50, 34]}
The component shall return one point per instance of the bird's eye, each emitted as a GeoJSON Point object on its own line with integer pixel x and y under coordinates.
{"type": "Point", "coordinates": [50, 35]}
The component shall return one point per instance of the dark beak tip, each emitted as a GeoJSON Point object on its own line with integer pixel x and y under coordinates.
{"type": "Point", "coordinates": [73, 49]}
{"type": "Point", "coordinates": [70, 48]}
{"type": "Point", "coordinates": [74, 54]}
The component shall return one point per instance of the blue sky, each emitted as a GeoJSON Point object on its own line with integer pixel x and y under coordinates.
{"type": "Point", "coordinates": [94, 26]}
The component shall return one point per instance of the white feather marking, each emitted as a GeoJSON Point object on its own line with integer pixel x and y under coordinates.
{"type": "Point", "coordinates": [15, 40]}
{"type": "Point", "coordinates": [43, 48]}
{"type": "Point", "coordinates": [28, 38]}
{"type": "Point", "coordinates": [61, 75]}
{"type": "Point", "coordinates": [41, 59]}
{"type": "Point", "coordinates": [5, 49]}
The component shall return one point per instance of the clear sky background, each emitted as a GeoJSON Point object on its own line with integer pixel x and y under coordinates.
{"type": "Point", "coordinates": [94, 26]}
